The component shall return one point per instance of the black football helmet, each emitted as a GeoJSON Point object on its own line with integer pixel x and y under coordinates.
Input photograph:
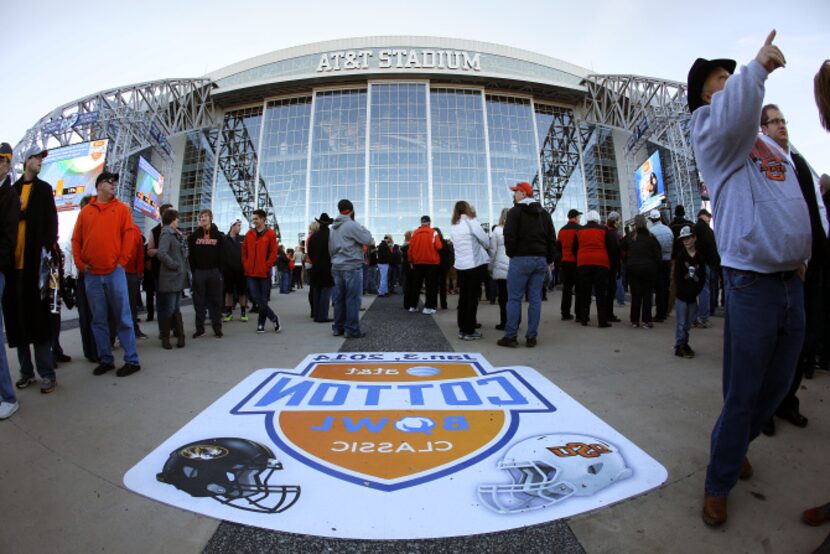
{"type": "Point", "coordinates": [232, 471]}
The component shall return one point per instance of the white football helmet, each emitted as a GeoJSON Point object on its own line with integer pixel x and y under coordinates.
{"type": "Point", "coordinates": [550, 468]}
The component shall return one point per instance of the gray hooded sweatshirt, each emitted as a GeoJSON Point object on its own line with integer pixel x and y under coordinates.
{"type": "Point", "coordinates": [346, 240]}
{"type": "Point", "coordinates": [759, 213]}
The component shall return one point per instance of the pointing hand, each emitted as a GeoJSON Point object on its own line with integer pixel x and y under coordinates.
{"type": "Point", "coordinates": [770, 56]}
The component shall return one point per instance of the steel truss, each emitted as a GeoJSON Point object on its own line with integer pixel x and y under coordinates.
{"type": "Point", "coordinates": [653, 111]}
{"type": "Point", "coordinates": [238, 161]}
{"type": "Point", "coordinates": [133, 118]}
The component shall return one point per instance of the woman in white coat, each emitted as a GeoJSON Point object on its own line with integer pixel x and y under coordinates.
{"type": "Point", "coordinates": [499, 264]}
{"type": "Point", "coordinates": [471, 260]}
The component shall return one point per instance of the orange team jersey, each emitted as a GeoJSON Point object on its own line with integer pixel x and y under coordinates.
{"type": "Point", "coordinates": [21, 227]}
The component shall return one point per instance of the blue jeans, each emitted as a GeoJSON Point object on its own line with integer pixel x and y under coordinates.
{"type": "Point", "coordinates": [85, 321]}
{"type": "Point", "coordinates": [686, 313]}
{"type": "Point", "coordinates": [259, 288]}
{"type": "Point", "coordinates": [168, 304]}
{"type": "Point", "coordinates": [285, 282]}
{"type": "Point", "coordinates": [710, 287]}
{"type": "Point", "coordinates": [383, 288]}
{"type": "Point", "coordinates": [108, 293]}
{"type": "Point", "coordinates": [763, 335]}
{"type": "Point", "coordinates": [526, 275]}
{"type": "Point", "coordinates": [6, 388]}
{"type": "Point", "coordinates": [321, 300]}
{"type": "Point", "coordinates": [348, 289]}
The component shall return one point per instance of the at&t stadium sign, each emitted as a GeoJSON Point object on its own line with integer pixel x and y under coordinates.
{"type": "Point", "coordinates": [399, 59]}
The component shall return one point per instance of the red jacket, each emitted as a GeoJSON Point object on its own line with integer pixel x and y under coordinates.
{"type": "Point", "coordinates": [424, 246]}
{"type": "Point", "coordinates": [259, 253]}
{"type": "Point", "coordinates": [103, 237]}
{"type": "Point", "coordinates": [590, 246]}
{"type": "Point", "coordinates": [136, 264]}
{"type": "Point", "coordinates": [566, 240]}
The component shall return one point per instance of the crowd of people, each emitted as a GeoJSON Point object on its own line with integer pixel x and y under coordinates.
{"type": "Point", "coordinates": [771, 280]}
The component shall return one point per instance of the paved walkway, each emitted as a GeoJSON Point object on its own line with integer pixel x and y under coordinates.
{"type": "Point", "coordinates": [62, 456]}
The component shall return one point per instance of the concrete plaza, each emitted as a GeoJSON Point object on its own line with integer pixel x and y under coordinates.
{"type": "Point", "coordinates": [63, 456]}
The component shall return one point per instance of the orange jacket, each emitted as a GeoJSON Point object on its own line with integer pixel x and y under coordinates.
{"type": "Point", "coordinates": [424, 246]}
{"type": "Point", "coordinates": [103, 237]}
{"type": "Point", "coordinates": [136, 264]}
{"type": "Point", "coordinates": [259, 253]}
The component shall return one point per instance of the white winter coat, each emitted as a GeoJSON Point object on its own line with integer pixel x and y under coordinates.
{"type": "Point", "coordinates": [470, 243]}
{"type": "Point", "coordinates": [499, 262]}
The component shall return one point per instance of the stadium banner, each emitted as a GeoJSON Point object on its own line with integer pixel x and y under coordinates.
{"type": "Point", "coordinates": [395, 446]}
{"type": "Point", "coordinates": [651, 190]}
{"type": "Point", "coordinates": [149, 186]}
{"type": "Point", "coordinates": [71, 170]}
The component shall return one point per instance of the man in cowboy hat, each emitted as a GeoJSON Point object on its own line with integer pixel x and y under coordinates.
{"type": "Point", "coordinates": [321, 280]}
{"type": "Point", "coordinates": [763, 264]}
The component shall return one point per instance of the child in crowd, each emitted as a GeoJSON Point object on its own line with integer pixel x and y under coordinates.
{"type": "Point", "coordinates": [689, 277]}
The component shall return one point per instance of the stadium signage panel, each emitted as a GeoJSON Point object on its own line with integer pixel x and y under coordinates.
{"type": "Point", "coordinates": [399, 58]}
{"type": "Point", "coordinates": [395, 446]}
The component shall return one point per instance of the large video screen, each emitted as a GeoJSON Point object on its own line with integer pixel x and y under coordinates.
{"type": "Point", "coordinates": [650, 187]}
{"type": "Point", "coordinates": [72, 170]}
{"type": "Point", "coordinates": [149, 185]}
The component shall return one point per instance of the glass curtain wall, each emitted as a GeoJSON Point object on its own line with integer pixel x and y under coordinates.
{"type": "Point", "coordinates": [513, 150]}
{"type": "Point", "coordinates": [459, 155]}
{"type": "Point", "coordinates": [338, 151]}
{"type": "Point", "coordinates": [196, 188]}
{"type": "Point", "coordinates": [398, 170]}
{"type": "Point", "coordinates": [284, 164]}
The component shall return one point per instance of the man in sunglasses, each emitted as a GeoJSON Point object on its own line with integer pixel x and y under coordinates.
{"type": "Point", "coordinates": [103, 245]}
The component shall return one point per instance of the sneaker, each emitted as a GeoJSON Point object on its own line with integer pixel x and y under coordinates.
{"type": "Point", "coordinates": [24, 382]}
{"type": "Point", "coordinates": [475, 335]}
{"type": "Point", "coordinates": [358, 336]}
{"type": "Point", "coordinates": [127, 369]}
{"type": "Point", "coordinates": [413, 310]}
{"type": "Point", "coordinates": [700, 324]}
{"type": "Point", "coordinates": [689, 353]}
{"type": "Point", "coordinates": [260, 329]}
{"type": "Point", "coordinates": [7, 409]}
{"type": "Point", "coordinates": [228, 316]}
{"type": "Point", "coordinates": [48, 385]}
{"type": "Point", "coordinates": [500, 327]}
{"type": "Point", "coordinates": [277, 327]}
{"type": "Point", "coordinates": [428, 311]}
{"type": "Point", "coordinates": [512, 342]}
{"type": "Point", "coordinates": [530, 342]}
{"type": "Point", "coordinates": [199, 333]}
{"type": "Point", "coordinates": [243, 317]}
{"type": "Point", "coordinates": [567, 317]}
{"type": "Point", "coordinates": [648, 325]}
{"type": "Point", "coordinates": [635, 325]}
{"type": "Point", "coordinates": [62, 358]}
{"type": "Point", "coordinates": [336, 333]}
{"type": "Point", "coordinates": [102, 368]}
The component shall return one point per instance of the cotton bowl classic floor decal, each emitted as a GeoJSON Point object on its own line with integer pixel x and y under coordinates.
{"type": "Point", "coordinates": [394, 445]}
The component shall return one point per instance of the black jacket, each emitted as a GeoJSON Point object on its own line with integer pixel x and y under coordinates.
{"type": "Point", "coordinates": [705, 244]}
{"type": "Point", "coordinates": [689, 275]}
{"type": "Point", "coordinates": [612, 244]}
{"type": "Point", "coordinates": [9, 218]}
{"type": "Point", "coordinates": [384, 253]}
{"type": "Point", "coordinates": [641, 250]}
{"type": "Point", "coordinates": [206, 249]}
{"type": "Point", "coordinates": [528, 231]}
{"type": "Point", "coordinates": [232, 253]}
{"type": "Point", "coordinates": [317, 247]}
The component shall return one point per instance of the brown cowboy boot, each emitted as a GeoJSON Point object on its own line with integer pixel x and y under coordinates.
{"type": "Point", "coordinates": [714, 510]}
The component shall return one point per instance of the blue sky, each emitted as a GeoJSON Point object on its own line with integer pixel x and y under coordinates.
{"type": "Point", "coordinates": [58, 51]}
